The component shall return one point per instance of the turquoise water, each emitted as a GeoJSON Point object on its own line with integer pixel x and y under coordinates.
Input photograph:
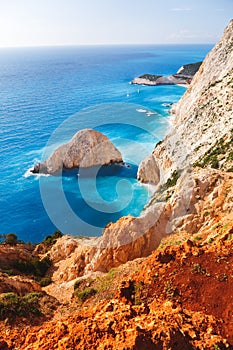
{"type": "Point", "coordinates": [48, 94]}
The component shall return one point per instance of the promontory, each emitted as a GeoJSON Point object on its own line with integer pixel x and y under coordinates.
{"type": "Point", "coordinates": [184, 76]}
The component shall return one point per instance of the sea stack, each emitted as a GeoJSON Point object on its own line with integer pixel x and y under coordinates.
{"type": "Point", "coordinates": [87, 148]}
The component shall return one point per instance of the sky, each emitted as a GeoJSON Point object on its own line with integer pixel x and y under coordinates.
{"type": "Point", "coordinates": [104, 22]}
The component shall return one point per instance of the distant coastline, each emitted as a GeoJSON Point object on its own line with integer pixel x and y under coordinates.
{"type": "Point", "coordinates": [183, 77]}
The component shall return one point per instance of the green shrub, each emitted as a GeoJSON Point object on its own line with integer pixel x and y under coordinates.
{"type": "Point", "coordinates": [214, 163]}
{"type": "Point", "coordinates": [171, 182]}
{"type": "Point", "coordinates": [11, 305]}
{"type": "Point", "coordinates": [45, 281]}
{"type": "Point", "coordinates": [216, 347]}
{"type": "Point", "coordinates": [111, 273]}
{"type": "Point", "coordinates": [230, 156]}
{"type": "Point", "coordinates": [11, 239]}
{"type": "Point", "coordinates": [150, 77]}
{"type": "Point", "coordinates": [197, 238]}
{"type": "Point", "coordinates": [77, 284]}
{"type": "Point", "coordinates": [41, 266]}
{"type": "Point", "coordinates": [106, 280]}
{"type": "Point", "coordinates": [33, 266]}
{"type": "Point", "coordinates": [197, 269]}
{"type": "Point", "coordinates": [138, 287]}
{"type": "Point", "coordinates": [170, 290]}
{"type": "Point", "coordinates": [85, 294]}
{"type": "Point", "coordinates": [52, 239]}
{"type": "Point", "coordinates": [212, 156]}
{"type": "Point", "coordinates": [173, 179]}
{"type": "Point", "coordinates": [8, 272]}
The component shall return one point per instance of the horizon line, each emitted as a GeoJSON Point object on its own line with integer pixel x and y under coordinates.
{"type": "Point", "coordinates": [88, 45]}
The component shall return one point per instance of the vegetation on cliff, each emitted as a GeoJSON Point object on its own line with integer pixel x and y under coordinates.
{"type": "Point", "coordinates": [220, 156]}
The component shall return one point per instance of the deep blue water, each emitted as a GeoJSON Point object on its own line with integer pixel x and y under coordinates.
{"type": "Point", "coordinates": [46, 96]}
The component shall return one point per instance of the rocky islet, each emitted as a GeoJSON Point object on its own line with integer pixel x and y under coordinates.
{"type": "Point", "coordinates": [87, 148]}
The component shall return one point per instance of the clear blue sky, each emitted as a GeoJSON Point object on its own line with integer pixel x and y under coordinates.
{"type": "Point", "coordinates": [75, 22]}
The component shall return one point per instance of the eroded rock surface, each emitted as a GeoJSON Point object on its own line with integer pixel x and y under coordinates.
{"type": "Point", "coordinates": [87, 148]}
{"type": "Point", "coordinates": [201, 118]}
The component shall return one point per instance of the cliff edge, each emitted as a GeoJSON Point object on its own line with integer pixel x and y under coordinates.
{"type": "Point", "coordinates": [201, 118]}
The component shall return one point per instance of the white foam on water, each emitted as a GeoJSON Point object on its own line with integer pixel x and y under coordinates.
{"type": "Point", "coordinates": [152, 113]}
{"type": "Point", "coordinates": [28, 173]}
{"type": "Point", "coordinates": [140, 110]}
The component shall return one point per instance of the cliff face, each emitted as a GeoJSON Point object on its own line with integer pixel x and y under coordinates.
{"type": "Point", "coordinates": [202, 116]}
{"type": "Point", "coordinates": [195, 205]}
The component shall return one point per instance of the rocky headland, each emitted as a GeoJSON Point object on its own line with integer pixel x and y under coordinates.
{"type": "Point", "coordinates": [184, 76]}
{"type": "Point", "coordinates": [87, 148]}
{"type": "Point", "coordinates": [160, 281]}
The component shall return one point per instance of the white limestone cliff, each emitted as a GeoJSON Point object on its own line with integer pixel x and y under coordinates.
{"type": "Point", "coordinates": [202, 116]}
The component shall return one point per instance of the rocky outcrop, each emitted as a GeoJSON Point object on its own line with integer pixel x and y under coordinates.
{"type": "Point", "coordinates": [10, 254]}
{"type": "Point", "coordinates": [21, 269]}
{"type": "Point", "coordinates": [87, 148]}
{"type": "Point", "coordinates": [18, 285]}
{"type": "Point", "coordinates": [171, 300]}
{"type": "Point", "coordinates": [202, 116]}
{"type": "Point", "coordinates": [189, 206]}
{"type": "Point", "coordinates": [184, 76]}
{"type": "Point", "coordinates": [189, 70]}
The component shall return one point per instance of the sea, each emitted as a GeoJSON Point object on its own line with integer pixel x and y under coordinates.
{"type": "Point", "coordinates": [47, 94]}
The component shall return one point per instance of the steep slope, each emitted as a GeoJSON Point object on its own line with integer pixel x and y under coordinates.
{"type": "Point", "coordinates": [196, 203]}
{"type": "Point", "coordinates": [171, 300]}
{"type": "Point", "coordinates": [202, 116]}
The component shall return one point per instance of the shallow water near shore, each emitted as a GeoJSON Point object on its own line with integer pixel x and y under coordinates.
{"type": "Point", "coordinates": [48, 94]}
